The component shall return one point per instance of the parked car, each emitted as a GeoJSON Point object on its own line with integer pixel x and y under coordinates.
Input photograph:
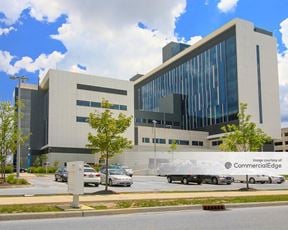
{"type": "Point", "coordinates": [217, 179]}
{"type": "Point", "coordinates": [252, 179]}
{"type": "Point", "coordinates": [87, 166]}
{"type": "Point", "coordinates": [61, 174]}
{"type": "Point", "coordinates": [91, 176]}
{"type": "Point", "coordinates": [128, 171]}
{"type": "Point", "coordinates": [276, 179]}
{"type": "Point", "coordinates": [185, 178]}
{"type": "Point", "coordinates": [115, 177]}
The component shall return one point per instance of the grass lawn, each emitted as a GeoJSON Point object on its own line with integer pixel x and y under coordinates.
{"type": "Point", "coordinates": [145, 203]}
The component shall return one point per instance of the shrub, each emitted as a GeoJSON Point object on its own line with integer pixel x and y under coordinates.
{"type": "Point", "coordinates": [51, 169]}
{"type": "Point", "coordinates": [12, 180]}
{"type": "Point", "coordinates": [40, 169]}
{"type": "Point", "coordinates": [9, 169]}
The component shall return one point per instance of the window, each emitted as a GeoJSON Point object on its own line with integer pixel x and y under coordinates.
{"type": "Point", "coordinates": [183, 142]}
{"type": "Point", "coordinates": [179, 142]}
{"type": "Point", "coordinates": [82, 119]}
{"type": "Point", "coordinates": [197, 143]}
{"type": "Point", "coordinates": [159, 141]}
{"type": "Point", "coordinates": [83, 103]}
{"type": "Point", "coordinates": [208, 79]}
{"type": "Point", "coordinates": [95, 104]}
{"type": "Point", "coordinates": [98, 105]}
{"type": "Point", "coordinates": [215, 143]}
{"type": "Point", "coordinates": [259, 84]}
{"type": "Point", "coordinates": [194, 142]}
{"type": "Point", "coordinates": [123, 107]}
{"type": "Point", "coordinates": [114, 106]}
{"type": "Point", "coordinates": [286, 134]}
{"type": "Point", "coordinates": [145, 140]}
{"type": "Point", "coordinates": [278, 150]}
{"type": "Point", "coordinates": [101, 89]}
{"type": "Point", "coordinates": [286, 142]}
{"type": "Point", "coordinates": [278, 143]}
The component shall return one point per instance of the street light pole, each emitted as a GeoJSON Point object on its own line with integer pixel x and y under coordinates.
{"type": "Point", "coordinates": [154, 129]}
{"type": "Point", "coordinates": [19, 79]}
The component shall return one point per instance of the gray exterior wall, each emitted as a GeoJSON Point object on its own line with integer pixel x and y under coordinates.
{"type": "Point", "coordinates": [171, 49]}
{"type": "Point", "coordinates": [32, 122]}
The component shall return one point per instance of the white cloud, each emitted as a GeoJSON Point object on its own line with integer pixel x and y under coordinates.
{"type": "Point", "coordinates": [226, 6]}
{"type": "Point", "coordinates": [77, 69]}
{"type": "Point", "coordinates": [104, 35]}
{"type": "Point", "coordinates": [5, 31]}
{"type": "Point", "coordinates": [12, 10]}
{"type": "Point", "coordinates": [40, 10]}
{"type": "Point", "coordinates": [5, 66]}
{"type": "Point", "coordinates": [284, 103]}
{"type": "Point", "coordinates": [194, 40]}
{"type": "Point", "coordinates": [283, 73]}
{"type": "Point", "coordinates": [41, 63]}
{"type": "Point", "coordinates": [284, 31]}
{"type": "Point", "coordinates": [283, 67]}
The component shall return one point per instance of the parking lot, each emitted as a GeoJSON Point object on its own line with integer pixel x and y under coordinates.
{"type": "Point", "coordinates": [47, 185]}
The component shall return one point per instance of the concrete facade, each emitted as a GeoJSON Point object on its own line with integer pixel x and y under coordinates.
{"type": "Point", "coordinates": [248, 38]}
{"type": "Point", "coordinates": [281, 145]}
{"type": "Point", "coordinates": [67, 137]}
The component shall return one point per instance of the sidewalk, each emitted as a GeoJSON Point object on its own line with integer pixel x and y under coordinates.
{"type": "Point", "coordinates": [131, 196]}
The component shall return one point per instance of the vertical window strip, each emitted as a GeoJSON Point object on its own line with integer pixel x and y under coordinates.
{"type": "Point", "coordinates": [259, 84]}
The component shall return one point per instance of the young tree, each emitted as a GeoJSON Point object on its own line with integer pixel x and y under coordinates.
{"type": "Point", "coordinates": [8, 133]}
{"type": "Point", "coordinates": [108, 139]}
{"type": "Point", "coordinates": [243, 137]}
{"type": "Point", "coordinates": [172, 148]}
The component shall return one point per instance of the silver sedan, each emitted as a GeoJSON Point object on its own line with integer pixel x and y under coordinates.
{"type": "Point", "coordinates": [115, 177]}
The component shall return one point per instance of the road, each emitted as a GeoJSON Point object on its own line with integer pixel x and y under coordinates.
{"type": "Point", "coordinates": [264, 218]}
{"type": "Point", "coordinates": [47, 185]}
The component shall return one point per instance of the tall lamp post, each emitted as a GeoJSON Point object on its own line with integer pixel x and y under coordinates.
{"type": "Point", "coordinates": [154, 130]}
{"type": "Point", "coordinates": [20, 79]}
{"type": "Point", "coordinates": [29, 158]}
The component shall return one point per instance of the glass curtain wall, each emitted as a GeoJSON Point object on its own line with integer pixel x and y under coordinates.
{"type": "Point", "coordinates": [207, 83]}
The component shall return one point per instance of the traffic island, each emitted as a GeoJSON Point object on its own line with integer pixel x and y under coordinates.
{"type": "Point", "coordinates": [82, 207]}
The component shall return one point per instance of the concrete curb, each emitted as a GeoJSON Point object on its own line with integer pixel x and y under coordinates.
{"type": "Point", "coordinates": [86, 213]}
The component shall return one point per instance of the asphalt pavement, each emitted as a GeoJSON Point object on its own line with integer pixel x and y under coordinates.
{"type": "Point", "coordinates": [46, 185]}
{"type": "Point", "coordinates": [236, 219]}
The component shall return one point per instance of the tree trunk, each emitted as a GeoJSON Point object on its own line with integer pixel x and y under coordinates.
{"type": "Point", "coordinates": [247, 182]}
{"type": "Point", "coordinates": [107, 171]}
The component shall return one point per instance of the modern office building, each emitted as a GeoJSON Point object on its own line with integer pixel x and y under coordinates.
{"type": "Point", "coordinates": [281, 145]}
{"type": "Point", "coordinates": [56, 113]}
{"type": "Point", "coordinates": [187, 99]}
{"type": "Point", "coordinates": [202, 87]}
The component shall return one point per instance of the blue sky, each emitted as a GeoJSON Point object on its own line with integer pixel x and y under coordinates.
{"type": "Point", "coordinates": [119, 38]}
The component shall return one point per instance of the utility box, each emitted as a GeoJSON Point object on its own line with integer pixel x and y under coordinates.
{"type": "Point", "coordinates": [75, 177]}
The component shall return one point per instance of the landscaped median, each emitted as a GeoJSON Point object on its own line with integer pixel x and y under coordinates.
{"type": "Point", "coordinates": [53, 210]}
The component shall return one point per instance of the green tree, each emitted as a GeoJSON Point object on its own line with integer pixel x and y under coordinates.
{"type": "Point", "coordinates": [40, 160]}
{"type": "Point", "coordinates": [172, 148]}
{"type": "Point", "coordinates": [8, 133]}
{"type": "Point", "coordinates": [244, 136]}
{"type": "Point", "coordinates": [108, 140]}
